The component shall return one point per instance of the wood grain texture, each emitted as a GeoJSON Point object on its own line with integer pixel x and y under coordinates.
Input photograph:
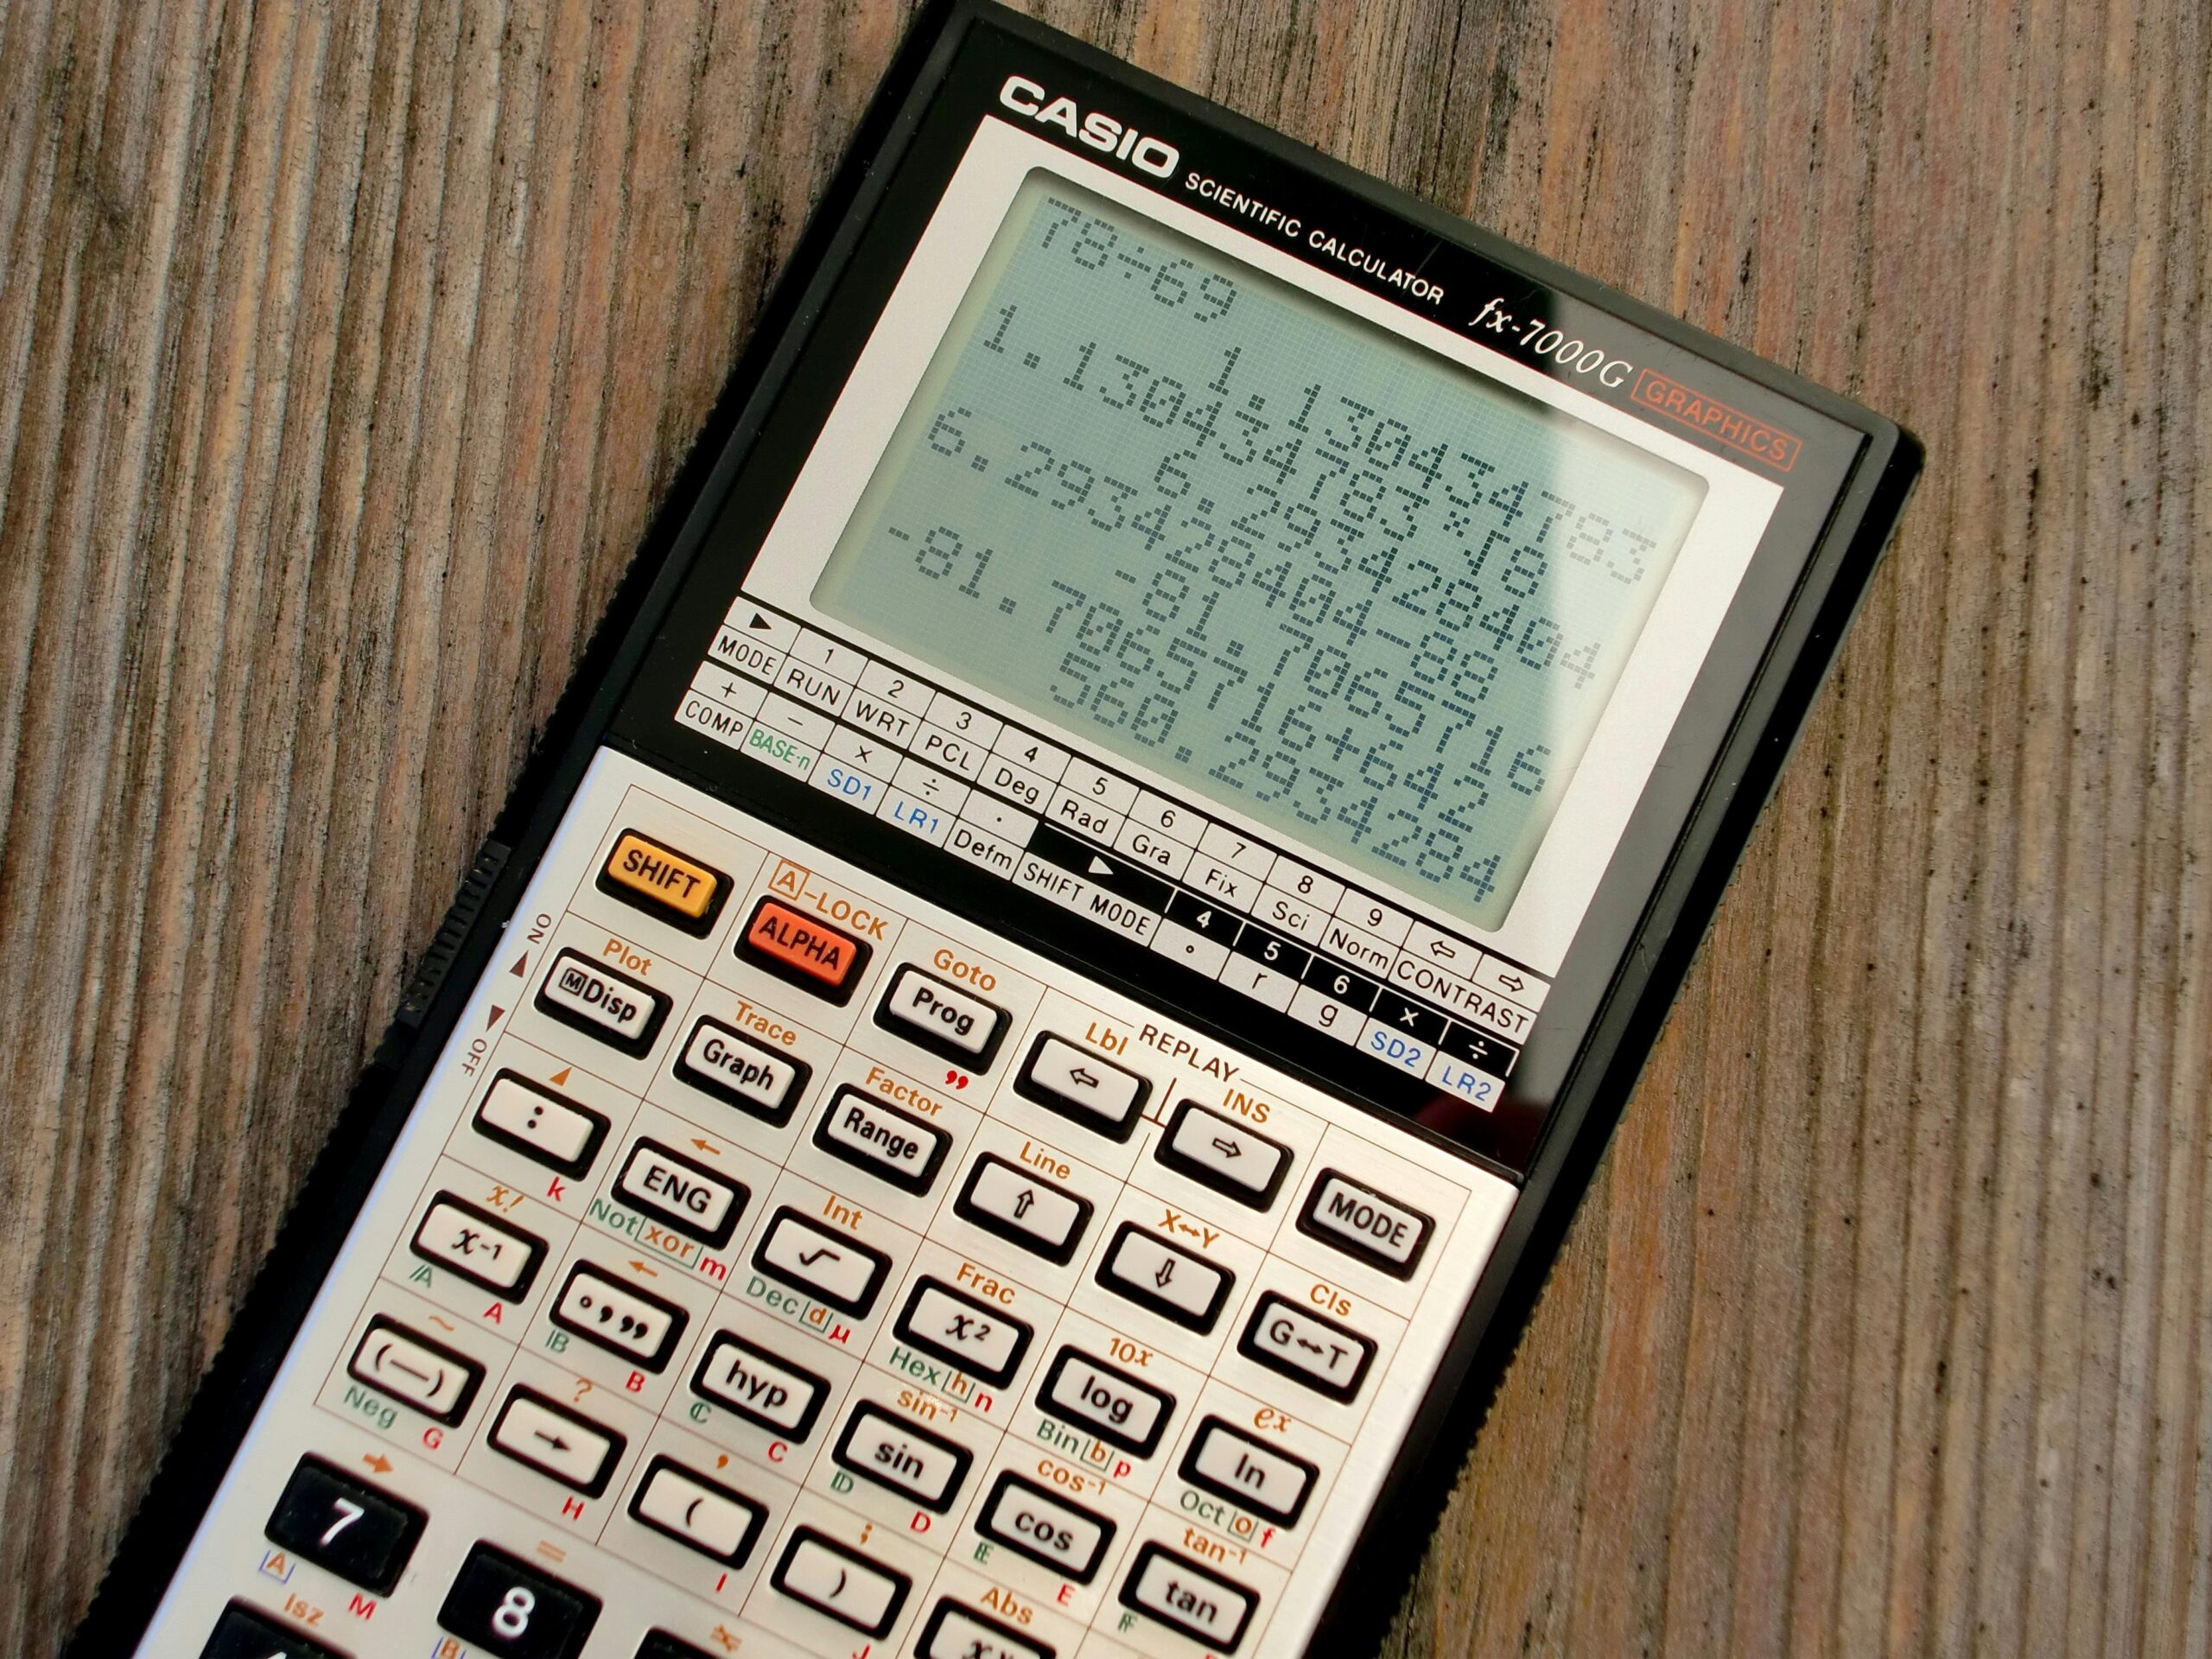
{"type": "Point", "coordinates": [345, 349]}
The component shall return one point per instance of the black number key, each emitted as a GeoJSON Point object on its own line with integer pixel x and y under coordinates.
{"type": "Point", "coordinates": [506, 1607]}
{"type": "Point", "coordinates": [326, 1516]}
{"type": "Point", "coordinates": [243, 1632]}
{"type": "Point", "coordinates": [659, 1644]}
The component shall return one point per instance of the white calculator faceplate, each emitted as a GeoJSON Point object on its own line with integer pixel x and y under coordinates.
{"type": "Point", "coordinates": [475, 1246]}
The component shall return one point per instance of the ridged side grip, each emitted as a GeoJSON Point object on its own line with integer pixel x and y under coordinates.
{"type": "Point", "coordinates": [445, 949]}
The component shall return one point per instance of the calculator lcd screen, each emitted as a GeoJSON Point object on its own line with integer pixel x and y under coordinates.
{"type": "Point", "coordinates": [1356, 592]}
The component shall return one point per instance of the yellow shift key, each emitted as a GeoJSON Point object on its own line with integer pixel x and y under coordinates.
{"type": "Point", "coordinates": [663, 882]}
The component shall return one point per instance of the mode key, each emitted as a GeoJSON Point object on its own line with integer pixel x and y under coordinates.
{"type": "Point", "coordinates": [1365, 1224]}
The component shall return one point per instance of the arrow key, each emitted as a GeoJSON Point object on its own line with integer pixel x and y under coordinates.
{"type": "Point", "coordinates": [1173, 1282]}
{"type": "Point", "coordinates": [542, 1433]}
{"type": "Point", "coordinates": [1221, 1153]}
{"type": "Point", "coordinates": [1022, 1208]}
{"type": "Point", "coordinates": [1073, 1080]}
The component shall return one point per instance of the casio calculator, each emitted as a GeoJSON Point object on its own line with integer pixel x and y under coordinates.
{"type": "Point", "coordinates": [1015, 1063]}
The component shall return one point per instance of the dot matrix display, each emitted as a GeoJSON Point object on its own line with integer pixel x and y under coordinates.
{"type": "Point", "coordinates": [1308, 571]}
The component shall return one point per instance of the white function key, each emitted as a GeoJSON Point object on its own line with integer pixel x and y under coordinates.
{"type": "Point", "coordinates": [1226, 1461]}
{"type": "Point", "coordinates": [1365, 1224]}
{"type": "Point", "coordinates": [416, 1371]}
{"type": "Point", "coordinates": [1186, 1597]}
{"type": "Point", "coordinates": [770, 1393]}
{"type": "Point", "coordinates": [830, 1265]}
{"type": "Point", "coordinates": [1173, 1282]}
{"type": "Point", "coordinates": [1073, 1081]}
{"type": "Point", "coordinates": [1112, 1405]}
{"type": "Point", "coordinates": [683, 1192]}
{"type": "Point", "coordinates": [978, 1337]}
{"type": "Point", "coordinates": [1221, 1153]}
{"type": "Point", "coordinates": [903, 1457]}
{"type": "Point", "coordinates": [704, 1515]}
{"type": "Point", "coordinates": [959, 1632]}
{"type": "Point", "coordinates": [1306, 1348]}
{"type": "Point", "coordinates": [740, 1072]}
{"type": "Point", "coordinates": [621, 1012]}
{"type": "Point", "coordinates": [890, 1144]}
{"type": "Point", "coordinates": [841, 1582]}
{"type": "Point", "coordinates": [941, 1017]}
{"type": "Point", "coordinates": [1033, 1522]}
{"type": "Point", "coordinates": [1023, 1208]}
{"type": "Point", "coordinates": [575, 1451]}
{"type": "Point", "coordinates": [545, 1127]}
{"type": "Point", "coordinates": [458, 1237]}
{"type": "Point", "coordinates": [619, 1318]}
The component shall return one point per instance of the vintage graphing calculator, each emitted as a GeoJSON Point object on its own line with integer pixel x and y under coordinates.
{"type": "Point", "coordinates": [1016, 1062]}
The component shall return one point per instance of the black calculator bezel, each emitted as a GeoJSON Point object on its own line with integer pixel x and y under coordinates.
{"type": "Point", "coordinates": [1658, 898]}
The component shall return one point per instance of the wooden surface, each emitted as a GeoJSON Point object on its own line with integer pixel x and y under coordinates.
{"type": "Point", "coordinates": [344, 349]}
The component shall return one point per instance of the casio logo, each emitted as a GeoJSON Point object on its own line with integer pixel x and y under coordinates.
{"type": "Point", "coordinates": [1103, 132]}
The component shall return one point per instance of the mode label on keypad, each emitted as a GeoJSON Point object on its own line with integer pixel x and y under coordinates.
{"type": "Point", "coordinates": [1364, 1223]}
